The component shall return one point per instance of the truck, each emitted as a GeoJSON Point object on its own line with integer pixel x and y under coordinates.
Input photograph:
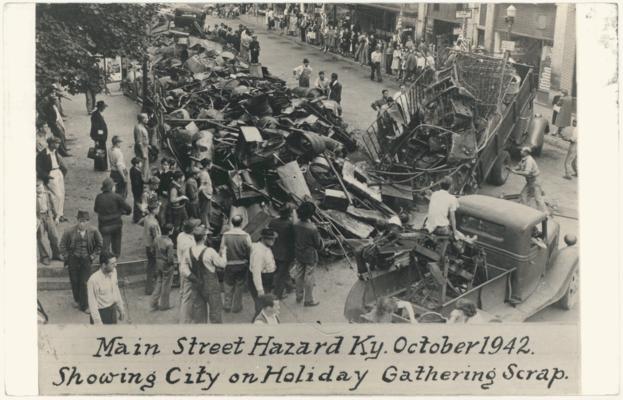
{"type": "Point", "coordinates": [465, 120]}
{"type": "Point", "coordinates": [510, 266]}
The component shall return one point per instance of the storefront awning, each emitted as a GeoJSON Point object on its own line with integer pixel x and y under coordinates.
{"type": "Point", "coordinates": [388, 7]}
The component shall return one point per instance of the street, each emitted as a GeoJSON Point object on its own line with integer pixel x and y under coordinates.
{"type": "Point", "coordinates": [280, 55]}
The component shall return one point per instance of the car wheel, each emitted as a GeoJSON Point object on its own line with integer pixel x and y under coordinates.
{"type": "Point", "coordinates": [571, 294]}
{"type": "Point", "coordinates": [499, 173]}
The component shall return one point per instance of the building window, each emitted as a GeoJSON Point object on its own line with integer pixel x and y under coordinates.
{"type": "Point", "coordinates": [481, 38]}
{"type": "Point", "coordinates": [483, 15]}
{"type": "Point", "coordinates": [436, 7]}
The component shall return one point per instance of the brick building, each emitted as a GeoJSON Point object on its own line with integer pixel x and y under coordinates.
{"type": "Point", "coordinates": [544, 35]}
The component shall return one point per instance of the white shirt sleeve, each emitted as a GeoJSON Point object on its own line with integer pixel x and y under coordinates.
{"type": "Point", "coordinates": [95, 313]}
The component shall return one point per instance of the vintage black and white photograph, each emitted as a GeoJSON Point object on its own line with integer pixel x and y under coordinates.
{"type": "Point", "coordinates": [275, 163]}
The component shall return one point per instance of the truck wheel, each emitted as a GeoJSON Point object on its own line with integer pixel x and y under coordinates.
{"type": "Point", "coordinates": [571, 294]}
{"type": "Point", "coordinates": [499, 173]}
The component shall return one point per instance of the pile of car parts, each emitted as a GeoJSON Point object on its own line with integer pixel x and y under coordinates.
{"type": "Point", "coordinates": [269, 144]}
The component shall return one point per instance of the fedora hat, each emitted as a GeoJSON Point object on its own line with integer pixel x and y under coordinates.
{"type": "Point", "coordinates": [101, 104]}
{"type": "Point", "coordinates": [83, 215]}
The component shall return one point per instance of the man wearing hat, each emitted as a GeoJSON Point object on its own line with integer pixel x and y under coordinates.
{"type": "Point", "coordinates": [199, 267]}
{"type": "Point", "coordinates": [118, 169]}
{"type": "Point", "coordinates": [529, 169]}
{"type": "Point", "coordinates": [109, 207]}
{"type": "Point", "coordinates": [238, 244]}
{"type": "Point", "coordinates": [164, 254]}
{"type": "Point", "coordinates": [191, 189]}
{"type": "Point", "coordinates": [80, 246]}
{"type": "Point", "coordinates": [99, 132]}
{"type": "Point", "coordinates": [283, 249]}
{"type": "Point", "coordinates": [141, 142]}
{"type": "Point", "coordinates": [151, 230]}
{"type": "Point", "coordinates": [262, 266]}
{"type": "Point", "coordinates": [51, 170]}
{"type": "Point", "coordinates": [205, 192]}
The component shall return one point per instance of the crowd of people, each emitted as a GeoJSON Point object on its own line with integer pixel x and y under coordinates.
{"type": "Point", "coordinates": [398, 55]}
{"type": "Point", "coordinates": [173, 206]}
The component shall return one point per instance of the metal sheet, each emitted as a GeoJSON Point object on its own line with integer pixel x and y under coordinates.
{"type": "Point", "coordinates": [293, 180]}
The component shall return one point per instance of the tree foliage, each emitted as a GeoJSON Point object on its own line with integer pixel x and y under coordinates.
{"type": "Point", "coordinates": [71, 36]}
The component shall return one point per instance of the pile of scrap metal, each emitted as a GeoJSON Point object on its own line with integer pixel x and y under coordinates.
{"type": "Point", "coordinates": [424, 269]}
{"type": "Point", "coordinates": [268, 144]}
{"type": "Point", "coordinates": [455, 117]}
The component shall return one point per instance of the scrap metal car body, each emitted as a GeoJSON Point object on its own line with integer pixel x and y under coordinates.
{"type": "Point", "coordinates": [527, 271]}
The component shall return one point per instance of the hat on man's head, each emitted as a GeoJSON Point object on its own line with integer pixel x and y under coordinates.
{"type": "Point", "coordinates": [83, 215]}
{"type": "Point", "coordinates": [205, 162]}
{"type": "Point", "coordinates": [268, 234]}
{"type": "Point", "coordinates": [116, 139]}
{"type": "Point", "coordinates": [107, 185]}
{"type": "Point", "coordinates": [101, 104]}
{"type": "Point", "coordinates": [54, 139]}
{"type": "Point", "coordinates": [191, 224]}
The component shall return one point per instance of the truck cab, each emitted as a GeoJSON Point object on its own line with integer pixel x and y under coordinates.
{"type": "Point", "coordinates": [523, 272]}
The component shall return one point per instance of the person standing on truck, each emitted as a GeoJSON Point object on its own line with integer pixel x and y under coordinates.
{"type": "Point", "coordinates": [441, 219]}
{"type": "Point", "coordinates": [529, 169]}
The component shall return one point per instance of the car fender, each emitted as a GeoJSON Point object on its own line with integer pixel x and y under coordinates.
{"type": "Point", "coordinates": [562, 268]}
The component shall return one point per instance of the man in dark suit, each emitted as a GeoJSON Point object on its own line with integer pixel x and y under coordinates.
{"type": "Point", "coordinates": [335, 89]}
{"type": "Point", "coordinates": [99, 133]}
{"type": "Point", "coordinates": [51, 170]}
{"type": "Point", "coordinates": [80, 246]}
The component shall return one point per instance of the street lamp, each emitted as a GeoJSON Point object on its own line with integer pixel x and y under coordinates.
{"type": "Point", "coordinates": [511, 12]}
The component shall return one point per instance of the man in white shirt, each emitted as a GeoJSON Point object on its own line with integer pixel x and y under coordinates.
{"type": "Point", "coordinates": [570, 134]}
{"type": "Point", "coordinates": [303, 73]}
{"type": "Point", "coordinates": [376, 57]}
{"type": "Point", "coordinates": [441, 219]}
{"type": "Point", "coordinates": [262, 266]}
{"type": "Point", "coordinates": [105, 303]}
{"type": "Point", "coordinates": [529, 169]}
{"type": "Point", "coordinates": [118, 169]}
{"type": "Point", "coordinates": [322, 83]}
{"type": "Point", "coordinates": [199, 267]}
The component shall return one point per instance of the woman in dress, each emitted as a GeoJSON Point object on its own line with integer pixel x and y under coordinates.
{"type": "Point", "coordinates": [396, 60]}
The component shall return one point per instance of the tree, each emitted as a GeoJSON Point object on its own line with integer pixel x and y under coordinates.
{"type": "Point", "coordinates": [72, 37]}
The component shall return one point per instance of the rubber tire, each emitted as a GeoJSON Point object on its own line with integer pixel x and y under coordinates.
{"type": "Point", "coordinates": [568, 301]}
{"type": "Point", "coordinates": [499, 174]}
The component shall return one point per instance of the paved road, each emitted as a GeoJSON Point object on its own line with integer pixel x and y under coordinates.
{"type": "Point", "coordinates": [334, 280]}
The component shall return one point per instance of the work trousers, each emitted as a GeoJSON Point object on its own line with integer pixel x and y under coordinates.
{"type": "Point", "coordinates": [388, 63]}
{"type": "Point", "coordinates": [47, 228]}
{"type": "Point", "coordinates": [121, 186]}
{"type": "Point", "coordinates": [150, 271]}
{"type": "Point", "coordinates": [187, 299]}
{"type": "Point", "coordinates": [303, 275]}
{"type": "Point", "coordinates": [267, 285]}
{"type": "Point", "coordinates": [108, 315]}
{"type": "Point", "coordinates": [533, 190]}
{"type": "Point", "coordinates": [205, 207]}
{"type": "Point", "coordinates": [212, 305]}
{"type": "Point", "coordinates": [234, 280]}
{"type": "Point", "coordinates": [56, 186]}
{"type": "Point", "coordinates": [137, 213]}
{"type": "Point", "coordinates": [255, 57]}
{"type": "Point", "coordinates": [79, 273]}
{"type": "Point", "coordinates": [571, 159]}
{"type": "Point", "coordinates": [111, 238]}
{"type": "Point", "coordinates": [142, 151]}
{"type": "Point", "coordinates": [281, 277]}
{"type": "Point", "coordinates": [375, 68]}
{"type": "Point", "coordinates": [162, 291]}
